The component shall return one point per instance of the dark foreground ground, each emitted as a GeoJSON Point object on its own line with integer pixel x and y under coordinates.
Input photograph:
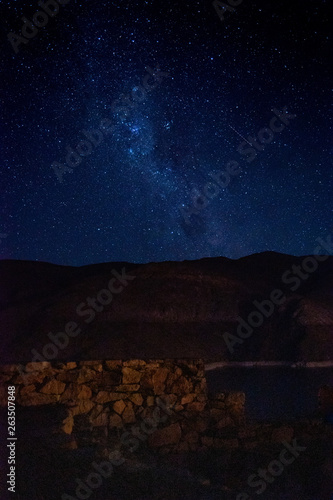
{"type": "Point", "coordinates": [205, 476]}
{"type": "Point", "coordinates": [45, 472]}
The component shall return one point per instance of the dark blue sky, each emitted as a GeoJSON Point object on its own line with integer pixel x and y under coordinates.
{"type": "Point", "coordinates": [136, 195]}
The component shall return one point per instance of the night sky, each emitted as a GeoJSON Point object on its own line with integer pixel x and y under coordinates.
{"type": "Point", "coordinates": [181, 96]}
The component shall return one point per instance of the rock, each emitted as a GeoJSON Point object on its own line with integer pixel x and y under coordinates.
{"type": "Point", "coordinates": [68, 376]}
{"type": "Point", "coordinates": [166, 436]}
{"type": "Point", "coordinates": [181, 386]}
{"type": "Point", "coordinates": [115, 421]}
{"type": "Point", "coordinates": [26, 389]}
{"type": "Point", "coordinates": [159, 379]}
{"type": "Point", "coordinates": [147, 380]}
{"type": "Point", "coordinates": [113, 364]}
{"type": "Point", "coordinates": [36, 398]}
{"type": "Point", "coordinates": [150, 401]}
{"type": "Point", "coordinates": [127, 388]}
{"type": "Point", "coordinates": [95, 365]}
{"type": "Point", "coordinates": [69, 366]}
{"type": "Point", "coordinates": [172, 377]}
{"type": "Point", "coordinates": [119, 406]}
{"type": "Point", "coordinates": [187, 399]}
{"type": "Point", "coordinates": [200, 387]}
{"type": "Point", "coordinates": [128, 415]}
{"type": "Point", "coordinates": [68, 424]}
{"type": "Point", "coordinates": [111, 378]}
{"type": "Point", "coordinates": [201, 423]}
{"type": "Point", "coordinates": [106, 397]}
{"type": "Point", "coordinates": [84, 392]}
{"type": "Point", "coordinates": [131, 376]}
{"type": "Point", "coordinates": [82, 407]}
{"type": "Point", "coordinates": [134, 363]}
{"type": "Point", "coordinates": [217, 414]}
{"type": "Point", "coordinates": [70, 393]}
{"type": "Point", "coordinates": [102, 420]}
{"type": "Point", "coordinates": [136, 398]}
{"type": "Point", "coordinates": [37, 366]}
{"type": "Point", "coordinates": [225, 422]}
{"type": "Point", "coordinates": [196, 406]}
{"type": "Point", "coordinates": [53, 387]}
{"type": "Point", "coordinates": [220, 396]}
{"type": "Point", "coordinates": [235, 399]}
{"type": "Point", "coordinates": [86, 374]}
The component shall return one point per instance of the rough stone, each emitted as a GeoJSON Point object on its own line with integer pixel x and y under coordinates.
{"type": "Point", "coordinates": [106, 397]}
{"type": "Point", "coordinates": [119, 406]}
{"type": "Point", "coordinates": [84, 392]}
{"type": "Point", "coordinates": [159, 379]}
{"type": "Point", "coordinates": [146, 382]}
{"type": "Point", "coordinates": [27, 389]}
{"type": "Point", "coordinates": [68, 376]}
{"type": "Point", "coordinates": [115, 421]}
{"type": "Point", "coordinates": [102, 420]}
{"type": "Point", "coordinates": [187, 399]}
{"type": "Point", "coordinates": [96, 365]}
{"type": "Point", "coordinates": [68, 425]}
{"type": "Point", "coordinates": [73, 392]}
{"type": "Point", "coordinates": [134, 362]}
{"type": "Point", "coordinates": [70, 366]}
{"type": "Point", "coordinates": [36, 399]}
{"type": "Point", "coordinates": [53, 387]}
{"type": "Point", "coordinates": [127, 388]}
{"type": "Point", "coordinates": [113, 364]}
{"type": "Point", "coordinates": [166, 436]}
{"type": "Point", "coordinates": [131, 376]}
{"type": "Point", "coordinates": [37, 366]}
{"type": "Point", "coordinates": [181, 386]}
{"type": "Point", "coordinates": [83, 406]}
{"type": "Point", "coordinates": [150, 401]}
{"type": "Point", "coordinates": [85, 374]}
{"type": "Point", "coordinates": [196, 406]}
{"type": "Point", "coordinates": [128, 415]}
{"type": "Point", "coordinates": [111, 378]}
{"type": "Point", "coordinates": [136, 398]}
{"type": "Point", "coordinates": [224, 422]}
{"type": "Point", "coordinates": [235, 399]}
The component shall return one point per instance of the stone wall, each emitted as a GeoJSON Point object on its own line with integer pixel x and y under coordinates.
{"type": "Point", "coordinates": [167, 398]}
{"type": "Point", "coordinates": [160, 403]}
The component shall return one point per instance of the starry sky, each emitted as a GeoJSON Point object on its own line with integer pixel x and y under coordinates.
{"type": "Point", "coordinates": [180, 93]}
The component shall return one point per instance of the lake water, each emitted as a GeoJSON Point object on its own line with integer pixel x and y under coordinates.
{"type": "Point", "coordinates": [276, 392]}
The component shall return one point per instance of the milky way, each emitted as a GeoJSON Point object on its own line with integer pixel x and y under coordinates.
{"type": "Point", "coordinates": [154, 100]}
